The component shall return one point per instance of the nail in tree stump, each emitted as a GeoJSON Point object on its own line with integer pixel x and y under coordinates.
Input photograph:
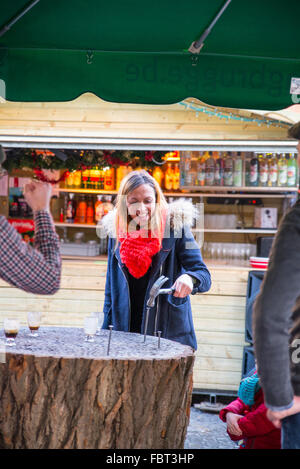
{"type": "Point", "coordinates": [57, 391]}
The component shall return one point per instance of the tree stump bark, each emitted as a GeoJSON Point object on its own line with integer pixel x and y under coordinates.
{"type": "Point", "coordinates": [58, 391]}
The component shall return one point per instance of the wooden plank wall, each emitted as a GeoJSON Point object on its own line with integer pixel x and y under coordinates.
{"type": "Point", "coordinates": [219, 316]}
{"type": "Point", "coordinates": [89, 116]}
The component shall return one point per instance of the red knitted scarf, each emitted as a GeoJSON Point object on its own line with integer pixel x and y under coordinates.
{"type": "Point", "coordinates": [137, 250]}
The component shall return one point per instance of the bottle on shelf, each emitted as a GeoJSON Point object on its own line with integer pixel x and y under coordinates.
{"type": "Point", "coordinates": [273, 171]}
{"type": "Point", "coordinates": [77, 180]}
{"type": "Point", "coordinates": [61, 216]}
{"type": "Point", "coordinates": [121, 172]}
{"type": "Point", "coordinates": [70, 212]}
{"type": "Point", "coordinates": [238, 170]}
{"type": "Point", "coordinates": [14, 207]}
{"type": "Point", "coordinates": [107, 204]}
{"type": "Point", "coordinates": [169, 174]}
{"type": "Point", "coordinates": [263, 170]}
{"type": "Point", "coordinates": [85, 176]}
{"type": "Point", "coordinates": [90, 214]}
{"type": "Point", "coordinates": [219, 170]}
{"type": "Point", "coordinates": [94, 178]}
{"type": "Point", "coordinates": [81, 211]}
{"type": "Point", "coordinates": [69, 181]}
{"type": "Point", "coordinates": [98, 209]}
{"type": "Point", "coordinates": [282, 170]}
{"type": "Point", "coordinates": [109, 179]}
{"type": "Point", "coordinates": [158, 175]}
{"type": "Point", "coordinates": [292, 171]}
{"type": "Point", "coordinates": [200, 167]}
{"type": "Point", "coordinates": [228, 170]}
{"type": "Point", "coordinates": [187, 168]}
{"type": "Point", "coordinates": [253, 177]}
{"type": "Point", "coordinates": [101, 179]}
{"type": "Point", "coordinates": [209, 170]}
{"type": "Point", "coordinates": [176, 178]}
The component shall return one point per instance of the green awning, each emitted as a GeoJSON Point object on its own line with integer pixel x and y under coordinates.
{"type": "Point", "coordinates": [137, 52]}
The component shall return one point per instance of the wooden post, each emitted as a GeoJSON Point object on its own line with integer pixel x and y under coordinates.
{"type": "Point", "coordinates": [59, 392]}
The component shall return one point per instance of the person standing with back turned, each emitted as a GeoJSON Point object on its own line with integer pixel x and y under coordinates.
{"type": "Point", "coordinates": [276, 326]}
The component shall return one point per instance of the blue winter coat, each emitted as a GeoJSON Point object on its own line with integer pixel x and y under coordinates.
{"type": "Point", "coordinates": [170, 315]}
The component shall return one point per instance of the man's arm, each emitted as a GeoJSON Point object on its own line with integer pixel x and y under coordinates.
{"type": "Point", "coordinates": [33, 270]}
{"type": "Point", "coordinates": [273, 311]}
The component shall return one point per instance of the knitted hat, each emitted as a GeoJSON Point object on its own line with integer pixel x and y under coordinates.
{"type": "Point", "coordinates": [248, 388]}
{"type": "Point", "coordinates": [294, 131]}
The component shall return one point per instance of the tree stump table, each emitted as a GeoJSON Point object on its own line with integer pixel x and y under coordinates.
{"type": "Point", "coordinates": [58, 391]}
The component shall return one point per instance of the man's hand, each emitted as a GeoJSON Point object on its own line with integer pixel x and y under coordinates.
{"type": "Point", "coordinates": [183, 286]}
{"type": "Point", "coordinates": [37, 195]}
{"type": "Point", "coordinates": [276, 416]}
{"type": "Point", "coordinates": [232, 423]}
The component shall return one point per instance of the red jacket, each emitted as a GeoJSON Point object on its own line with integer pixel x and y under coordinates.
{"type": "Point", "coordinates": [258, 431]}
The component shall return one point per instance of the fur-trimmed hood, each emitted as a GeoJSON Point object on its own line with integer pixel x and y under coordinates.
{"type": "Point", "coordinates": [180, 213]}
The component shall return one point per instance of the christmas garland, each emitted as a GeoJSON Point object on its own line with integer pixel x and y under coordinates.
{"type": "Point", "coordinates": [77, 160]}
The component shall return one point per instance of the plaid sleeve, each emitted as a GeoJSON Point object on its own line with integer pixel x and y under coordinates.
{"type": "Point", "coordinates": [35, 270]}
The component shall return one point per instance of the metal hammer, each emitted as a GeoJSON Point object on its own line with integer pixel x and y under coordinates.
{"type": "Point", "coordinates": [157, 290]}
{"type": "Point", "coordinates": [154, 292]}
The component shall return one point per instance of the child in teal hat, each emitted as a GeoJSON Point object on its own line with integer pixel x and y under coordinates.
{"type": "Point", "coordinates": [246, 417]}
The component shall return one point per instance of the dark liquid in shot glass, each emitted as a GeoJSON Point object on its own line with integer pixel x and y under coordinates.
{"type": "Point", "coordinates": [34, 328]}
{"type": "Point", "coordinates": [11, 334]}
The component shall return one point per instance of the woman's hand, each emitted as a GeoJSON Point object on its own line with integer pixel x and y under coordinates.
{"type": "Point", "coordinates": [38, 194]}
{"type": "Point", "coordinates": [232, 423]}
{"type": "Point", "coordinates": [183, 286]}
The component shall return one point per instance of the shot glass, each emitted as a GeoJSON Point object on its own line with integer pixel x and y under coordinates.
{"type": "Point", "coordinates": [90, 328]}
{"type": "Point", "coordinates": [34, 321]}
{"type": "Point", "coordinates": [11, 329]}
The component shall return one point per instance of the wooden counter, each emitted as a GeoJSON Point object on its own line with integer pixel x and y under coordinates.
{"type": "Point", "coordinates": [219, 315]}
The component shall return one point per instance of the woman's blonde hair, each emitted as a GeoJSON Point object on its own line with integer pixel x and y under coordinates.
{"type": "Point", "coordinates": [130, 182]}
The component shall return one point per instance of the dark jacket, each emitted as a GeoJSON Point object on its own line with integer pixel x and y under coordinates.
{"type": "Point", "coordinates": [179, 254]}
{"type": "Point", "coordinates": [276, 317]}
{"type": "Point", "coordinates": [257, 430]}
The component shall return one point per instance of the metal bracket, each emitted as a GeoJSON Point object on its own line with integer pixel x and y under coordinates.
{"type": "Point", "coordinates": [89, 57]}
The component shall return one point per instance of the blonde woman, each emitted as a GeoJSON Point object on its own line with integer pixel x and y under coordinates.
{"type": "Point", "coordinates": [149, 238]}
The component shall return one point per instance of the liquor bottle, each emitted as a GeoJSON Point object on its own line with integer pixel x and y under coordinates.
{"type": "Point", "coordinates": [14, 207]}
{"type": "Point", "coordinates": [273, 171]}
{"type": "Point", "coordinates": [77, 180]}
{"type": "Point", "coordinates": [200, 169]}
{"type": "Point", "coordinates": [176, 178]}
{"type": "Point", "coordinates": [101, 179]}
{"type": "Point", "coordinates": [228, 170]}
{"type": "Point", "coordinates": [99, 209]}
{"type": "Point", "coordinates": [263, 170]}
{"type": "Point", "coordinates": [209, 170]}
{"type": "Point", "coordinates": [282, 170]}
{"type": "Point", "coordinates": [292, 171]}
{"type": "Point", "coordinates": [109, 179]}
{"type": "Point", "coordinates": [120, 174]}
{"type": "Point", "coordinates": [90, 215]}
{"type": "Point", "coordinates": [187, 168]}
{"type": "Point", "coordinates": [85, 178]}
{"type": "Point", "coordinates": [253, 179]}
{"type": "Point", "coordinates": [81, 210]}
{"type": "Point", "coordinates": [96, 177]}
{"type": "Point", "coordinates": [61, 216]}
{"type": "Point", "coordinates": [219, 170]}
{"type": "Point", "coordinates": [70, 213]}
{"type": "Point", "coordinates": [69, 181]}
{"type": "Point", "coordinates": [238, 170]}
{"type": "Point", "coordinates": [169, 177]}
{"type": "Point", "coordinates": [107, 204]}
{"type": "Point", "coordinates": [158, 175]}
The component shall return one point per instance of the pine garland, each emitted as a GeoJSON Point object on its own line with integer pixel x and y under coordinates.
{"type": "Point", "coordinates": [78, 160]}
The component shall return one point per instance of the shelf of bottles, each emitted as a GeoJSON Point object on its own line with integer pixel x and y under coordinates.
{"type": "Point", "coordinates": [238, 171]}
